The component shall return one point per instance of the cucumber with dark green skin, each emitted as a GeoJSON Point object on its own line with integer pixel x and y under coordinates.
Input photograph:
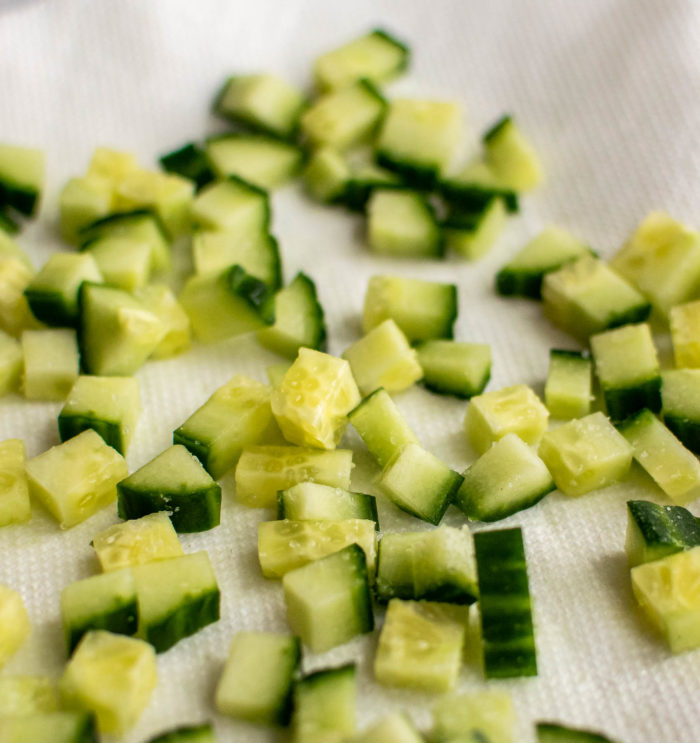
{"type": "Point", "coordinates": [553, 732]}
{"type": "Point", "coordinates": [51, 727]}
{"type": "Point", "coordinates": [324, 703]}
{"type": "Point", "coordinates": [21, 178]}
{"type": "Point", "coordinates": [453, 368]}
{"type": "Point", "coordinates": [8, 224]}
{"type": "Point", "coordinates": [680, 405]}
{"type": "Point", "coordinates": [504, 597]}
{"type": "Point", "coordinates": [191, 162]}
{"type": "Point", "coordinates": [654, 531]}
{"type": "Point", "coordinates": [189, 734]}
{"type": "Point", "coordinates": [473, 197]}
{"type": "Point", "coordinates": [313, 501]}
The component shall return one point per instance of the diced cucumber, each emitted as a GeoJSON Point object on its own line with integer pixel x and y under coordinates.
{"type": "Point", "coordinates": [264, 470]}
{"type": "Point", "coordinates": [262, 102]}
{"type": "Point", "coordinates": [345, 117]}
{"type": "Point", "coordinates": [328, 601]}
{"type": "Point", "coordinates": [21, 177]}
{"type": "Point", "coordinates": [177, 597]}
{"type": "Point", "coordinates": [394, 728]}
{"type": "Point", "coordinates": [492, 415]}
{"type": "Point", "coordinates": [189, 161]}
{"type": "Point", "coordinates": [15, 314]}
{"type": "Point", "coordinates": [383, 358]}
{"type": "Point", "coordinates": [436, 565]}
{"type": "Point", "coordinates": [680, 405]}
{"type": "Point", "coordinates": [474, 186]}
{"type": "Point", "coordinates": [10, 249]}
{"type": "Point", "coordinates": [419, 139]}
{"type": "Point", "coordinates": [628, 370]}
{"type": "Point", "coordinates": [109, 405]}
{"type": "Point", "coordinates": [299, 319]}
{"type": "Point", "coordinates": [174, 482]}
{"type": "Point", "coordinates": [377, 56]}
{"type": "Point", "coordinates": [14, 621]}
{"type": "Point", "coordinates": [402, 223]}
{"type": "Point", "coordinates": [311, 501]}
{"type": "Point", "coordinates": [662, 259]}
{"type": "Point", "coordinates": [111, 165]}
{"type": "Point", "coordinates": [235, 416]}
{"type": "Point", "coordinates": [50, 727]}
{"type": "Point", "coordinates": [105, 602]}
{"type": "Point", "coordinates": [77, 478]}
{"type": "Point", "coordinates": [232, 205]}
{"type": "Point", "coordinates": [506, 478]}
{"type": "Point", "coordinates": [117, 333]}
{"type": "Point", "coordinates": [382, 427]}
{"type": "Point", "coordinates": [420, 645]}
{"type": "Point", "coordinates": [256, 684]}
{"type": "Point", "coordinates": [548, 251]}
{"type": "Point", "coordinates": [26, 695]}
{"type": "Point", "coordinates": [188, 734]}
{"type": "Point", "coordinates": [257, 252]}
{"type": "Point", "coordinates": [419, 483]}
{"type": "Point", "coordinates": [655, 531]}
{"type": "Point", "coordinates": [422, 309]}
{"type": "Point", "coordinates": [553, 732]}
{"type": "Point", "coordinates": [511, 156]}
{"type": "Point", "coordinates": [586, 297]}
{"type": "Point", "coordinates": [159, 299]}
{"type": "Point", "coordinates": [52, 294]}
{"type": "Point", "coordinates": [504, 597]}
{"type": "Point", "coordinates": [51, 363]}
{"type": "Point", "coordinates": [472, 234]}
{"type": "Point", "coordinates": [287, 545]}
{"type": "Point", "coordinates": [364, 178]}
{"type": "Point", "coordinates": [15, 507]}
{"type": "Point", "coordinates": [326, 175]}
{"type": "Point", "coordinates": [10, 364]}
{"type": "Point", "coordinates": [684, 320]}
{"type": "Point", "coordinates": [454, 368]}
{"type": "Point", "coordinates": [137, 542]}
{"type": "Point", "coordinates": [122, 261]}
{"type": "Point", "coordinates": [111, 676]}
{"type": "Point", "coordinates": [324, 706]}
{"type": "Point", "coordinates": [586, 454]}
{"type": "Point", "coordinates": [265, 162]}
{"type": "Point", "coordinates": [567, 391]}
{"type": "Point", "coordinates": [489, 712]}
{"type": "Point", "coordinates": [83, 201]}
{"type": "Point", "coordinates": [666, 590]}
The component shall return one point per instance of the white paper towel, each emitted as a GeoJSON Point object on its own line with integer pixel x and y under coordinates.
{"type": "Point", "coordinates": [607, 91]}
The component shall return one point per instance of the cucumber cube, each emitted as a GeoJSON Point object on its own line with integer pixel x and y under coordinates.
{"type": "Point", "coordinates": [50, 727]}
{"type": "Point", "coordinates": [232, 205]}
{"type": "Point", "coordinates": [124, 262]}
{"type": "Point", "coordinates": [10, 364]}
{"type": "Point", "coordinates": [394, 728]}
{"type": "Point", "coordinates": [328, 601]}
{"type": "Point", "coordinates": [159, 299]}
{"type": "Point", "coordinates": [111, 165]}
{"type": "Point", "coordinates": [15, 507]}
{"type": "Point", "coordinates": [256, 684]}
{"type": "Point", "coordinates": [83, 201]}
{"type": "Point", "coordinates": [310, 501]}
{"type": "Point", "coordinates": [567, 391]}
{"type": "Point", "coordinates": [365, 177]}
{"type": "Point", "coordinates": [473, 187]}
{"type": "Point", "coordinates": [26, 695]}
{"type": "Point", "coordinates": [111, 676]}
{"type": "Point", "coordinates": [14, 621]}
{"type": "Point", "coordinates": [685, 334]}
{"type": "Point", "coordinates": [137, 542]}
{"type": "Point", "coordinates": [51, 363]}
{"type": "Point", "coordinates": [15, 314]}
{"type": "Point", "coordinates": [493, 415]}
{"type": "Point", "coordinates": [490, 713]}
{"type": "Point", "coordinates": [9, 248]}
{"type": "Point", "coordinates": [324, 706]}
{"type": "Point", "coordinates": [77, 478]}
{"type": "Point", "coordinates": [326, 175]}
{"type": "Point", "coordinates": [680, 405]}
{"type": "Point", "coordinates": [187, 734]}
{"type": "Point", "coordinates": [190, 162]}
{"type": "Point", "coordinates": [453, 368]}
{"type": "Point", "coordinates": [511, 156]}
{"type": "Point", "coordinates": [21, 177]}
{"type": "Point", "coordinates": [420, 645]}
{"type": "Point", "coordinates": [586, 454]}
{"type": "Point", "coordinates": [473, 234]}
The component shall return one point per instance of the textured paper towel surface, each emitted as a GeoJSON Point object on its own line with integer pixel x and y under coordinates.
{"type": "Point", "coordinates": [607, 91]}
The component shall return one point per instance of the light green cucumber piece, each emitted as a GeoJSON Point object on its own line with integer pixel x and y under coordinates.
{"type": "Point", "coordinates": [394, 728]}
{"type": "Point", "coordinates": [324, 706]}
{"type": "Point", "coordinates": [490, 713]}
{"type": "Point", "coordinates": [455, 368]}
{"type": "Point", "coordinates": [276, 372]}
{"type": "Point", "coordinates": [188, 734]}
{"type": "Point", "coordinates": [159, 299]}
{"type": "Point", "coordinates": [655, 531]}
{"type": "Point", "coordinates": [473, 234]}
{"type": "Point", "coordinates": [22, 174]}
{"type": "Point", "coordinates": [50, 727]}
{"type": "Point", "coordinates": [81, 202]}
{"type": "Point", "coordinates": [684, 322]}
{"type": "Point", "coordinates": [10, 249]}
{"type": "Point", "coordinates": [680, 405]}
{"type": "Point", "coordinates": [258, 677]}
{"type": "Point", "coordinates": [123, 261]}
{"type": "Point", "coordinates": [15, 314]}
{"type": "Point", "coordinates": [15, 506]}
{"type": "Point", "coordinates": [326, 175]}
{"type": "Point", "coordinates": [51, 363]}
{"type": "Point", "coordinates": [10, 364]}
{"type": "Point", "coordinates": [26, 695]}
{"type": "Point", "coordinates": [474, 186]}
{"type": "Point", "coordinates": [311, 501]}
{"type": "Point", "coordinates": [174, 482]}
{"type": "Point", "coordinates": [15, 623]}
{"type": "Point", "coordinates": [232, 205]}
{"type": "Point", "coordinates": [511, 156]}
{"type": "Point", "coordinates": [553, 732]}
{"type": "Point", "coordinates": [567, 391]}
{"type": "Point", "coordinates": [328, 600]}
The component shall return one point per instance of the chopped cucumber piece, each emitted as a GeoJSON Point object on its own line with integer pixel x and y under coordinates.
{"type": "Point", "coordinates": [628, 370]}
{"type": "Point", "coordinates": [567, 391]}
{"type": "Point", "coordinates": [51, 363]}
{"type": "Point", "coordinates": [490, 713]}
{"type": "Point", "coordinates": [299, 320]}
{"type": "Point", "coordinates": [343, 118]}
{"type": "Point", "coordinates": [324, 706]}
{"type": "Point", "coordinates": [511, 156]}
{"type": "Point", "coordinates": [452, 368]}
{"type": "Point", "coordinates": [494, 414]}
{"type": "Point", "coordinates": [394, 728]}
{"type": "Point", "coordinates": [288, 545]}
{"type": "Point", "coordinates": [553, 732]}
{"type": "Point", "coordinates": [362, 182]}
{"type": "Point", "coordinates": [111, 165]}
{"type": "Point", "coordinates": [419, 139]}
{"type": "Point", "coordinates": [111, 676]}
{"type": "Point", "coordinates": [422, 309]}
{"type": "Point", "coordinates": [311, 501]}
{"type": "Point", "coordinates": [174, 482]}
{"type": "Point", "coordinates": [381, 426]}
{"type": "Point", "coordinates": [106, 601]}
{"type": "Point", "coordinates": [10, 364]}
{"type": "Point", "coordinates": [506, 478]}
{"type": "Point", "coordinates": [402, 223]}
{"type": "Point", "coordinates": [262, 102]}
{"type": "Point", "coordinates": [264, 470]}
{"type": "Point", "coordinates": [159, 299]}
{"type": "Point", "coordinates": [15, 507]}
{"type": "Point", "coordinates": [684, 320]}
{"type": "Point", "coordinates": [10, 249]}
{"type": "Point", "coordinates": [188, 734]}
{"type": "Point", "coordinates": [680, 405]}
{"type": "Point", "coordinates": [21, 178]}
{"type": "Point", "coordinates": [586, 297]}
{"type": "Point", "coordinates": [672, 467]}
{"type": "Point", "coordinates": [420, 645]}
{"type": "Point", "coordinates": [14, 621]}
{"type": "Point", "coordinates": [236, 415]}
{"type": "Point", "coordinates": [256, 684]}
{"type": "Point", "coordinates": [473, 187]}
{"type": "Point", "coordinates": [326, 175]}
{"type": "Point", "coordinates": [655, 531]}
{"type": "Point", "coordinates": [83, 201]}
{"type": "Point", "coordinates": [504, 597]}
{"type": "Point", "coordinates": [177, 597]}
{"type": "Point", "coordinates": [553, 248]}
{"type": "Point", "coordinates": [586, 454]}
{"type": "Point", "coordinates": [419, 483]}
{"type": "Point", "coordinates": [232, 205]}
{"type": "Point", "coordinates": [383, 358]}
{"type": "Point", "coordinates": [53, 293]}
{"type": "Point", "coordinates": [122, 261]}
{"type": "Point", "coordinates": [328, 601]}
{"type": "Point", "coordinates": [435, 565]}
{"type": "Point", "coordinates": [137, 542]}
{"type": "Point", "coordinates": [50, 727]}
{"type": "Point", "coordinates": [189, 161]}
{"type": "Point", "coordinates": [377, 56]}
{"type": "Point", "coordinates": [26, 695]}
{"type": "Point", "coordinates": [15, 314]}
{"type": "Point", "coordinates": [473, 234]}
{"type": "Point", "coordinates": [77, 478]}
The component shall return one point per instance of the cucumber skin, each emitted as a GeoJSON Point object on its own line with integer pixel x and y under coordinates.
{"type": "Point", "coordinates": [190, 162]}
{"type": "Point", "coordinates": [50, 308]}
{"type": "Point", "coordinates": [622, 402]}
{"type": "Point", "coordinates": [188, 618]}
{"type": "Point", "coordinates": [474, 198]}
{"type": "Point", "coordinates": [686, 429]}
{"type": "Point", "coordinates": [71, 425]}
{"type": "Point", "coordinates": [664, 529]}
{"type": "Point", "coordinates": [7, 224]}
{"type": "Point", "coordinates": [519, 283]}
{"type": "Point", "coordinates": [417, 176]}
{"type": "Point", "coordinates": [23, 200]}
{"type": "Point", "coordinates": [122, 621]}
{"type": "Point", "coordinates": [552, 732]}
{"type": "Point", "coordinates": [473, 511]}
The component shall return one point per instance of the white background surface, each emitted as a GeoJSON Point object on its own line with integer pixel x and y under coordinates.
{"type": "Point", "coordinates": [607, 91]}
